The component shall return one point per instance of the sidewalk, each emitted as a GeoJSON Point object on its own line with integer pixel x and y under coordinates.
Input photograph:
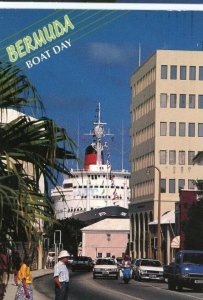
{"type": "Point", "coordinates": [11, 288]}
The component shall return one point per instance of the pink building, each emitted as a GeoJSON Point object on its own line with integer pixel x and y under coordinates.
{"type": "Point", "coordinates": [108, 237]}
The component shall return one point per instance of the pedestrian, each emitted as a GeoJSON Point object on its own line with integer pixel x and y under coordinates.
{"type": "Point", "coordinates": [61, 276]}
{"type": "Point", "coordinates": [4, 270]}
{"type": "Point", "coordinates": [24, 290]}
{"type": "Point", "coordinates": [16, 262]}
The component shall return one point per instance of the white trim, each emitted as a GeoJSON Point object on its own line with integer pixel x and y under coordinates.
{"type": "Point", "coordinates": [103, 6]}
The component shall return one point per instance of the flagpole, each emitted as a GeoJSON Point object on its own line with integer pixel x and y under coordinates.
{"type": "Point", "coordinates": [122, 147]}
{"type": "Point", "coordinates": [78, 142]}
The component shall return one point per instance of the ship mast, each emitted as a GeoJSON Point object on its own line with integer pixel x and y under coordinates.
{"type": "Point", "coordinates": [98, 133]}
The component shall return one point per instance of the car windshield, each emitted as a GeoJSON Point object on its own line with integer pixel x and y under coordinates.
{"type": "Point", "coordinates": [82, 258]}
{"type": "Point", "coordinates": [194, 258]}
{"type": "Point", "coordinates": [105, 262]}
{"type": "Point", "coordinates": [151, 263]}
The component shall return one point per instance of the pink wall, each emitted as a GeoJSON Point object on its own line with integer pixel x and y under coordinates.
{"type": "Point", "coordinates": [101, 242]}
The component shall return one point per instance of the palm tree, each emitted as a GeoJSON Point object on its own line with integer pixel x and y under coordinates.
{"type": "Point", "coordinates": [30, 150]}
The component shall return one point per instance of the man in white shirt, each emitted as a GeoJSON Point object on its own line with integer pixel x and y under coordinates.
{"type": "Point", "coordinates": [61, 276]}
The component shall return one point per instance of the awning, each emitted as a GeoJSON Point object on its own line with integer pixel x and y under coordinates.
{"type": "Point", "coordinates": [175, 243]}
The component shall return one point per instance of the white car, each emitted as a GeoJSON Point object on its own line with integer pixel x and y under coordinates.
{"type": "Point", "coordinates": [105, 268]}
{"type": "Point", "coordinates": [150, 269]}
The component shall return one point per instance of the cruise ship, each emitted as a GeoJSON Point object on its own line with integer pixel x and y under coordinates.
{"type": "Point", "coordinates": [95, 186]}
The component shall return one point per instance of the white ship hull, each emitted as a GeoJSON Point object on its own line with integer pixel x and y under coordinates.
{"type": "Point", "coordinates": [87, 190]}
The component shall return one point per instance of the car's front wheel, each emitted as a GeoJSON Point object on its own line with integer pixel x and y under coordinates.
{"type": "Point", "coordinates": [171, 284]}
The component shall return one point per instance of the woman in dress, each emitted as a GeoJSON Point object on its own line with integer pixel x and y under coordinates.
{"type": "Point", "coordinates": [24, 290]}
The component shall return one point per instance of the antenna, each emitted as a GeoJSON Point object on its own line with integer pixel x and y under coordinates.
{"type": "Point", "coordinates": [78, 142]}
{"type": "Point", "coordinates": [122, 147]}
{"type": "Point", "coordinates": [139, 55]}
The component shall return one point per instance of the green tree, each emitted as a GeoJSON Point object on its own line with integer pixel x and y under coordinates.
{"type": "Point", "coordinates": [30, 150]}
{"type": "Point", "coordinates": [193, 227]}
{"type": "Point", "coordinates": [71, 234]}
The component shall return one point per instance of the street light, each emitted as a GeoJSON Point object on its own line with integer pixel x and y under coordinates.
{"type": "Point", "coordinates": [159, 213]}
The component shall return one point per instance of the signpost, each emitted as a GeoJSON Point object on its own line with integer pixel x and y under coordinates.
{"type": "Point", "coordinates": [57, 243]}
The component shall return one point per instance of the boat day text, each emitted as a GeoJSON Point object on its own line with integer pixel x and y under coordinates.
{"type": "Point", "coordinates": [40, 38]}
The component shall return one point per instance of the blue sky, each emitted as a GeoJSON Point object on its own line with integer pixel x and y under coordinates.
{"type": "Point", "coordinates": [98, 65]}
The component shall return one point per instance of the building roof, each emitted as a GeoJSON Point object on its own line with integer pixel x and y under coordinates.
{"type": "Point", "coordinates": [95, 215]}
{"type": "Point", "coordinates": [110, 224]}
{"type": "Point", "coordinates": [167, 218]}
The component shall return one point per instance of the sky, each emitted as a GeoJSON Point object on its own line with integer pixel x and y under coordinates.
{"type": "Point", "coordinates": [98, 65]}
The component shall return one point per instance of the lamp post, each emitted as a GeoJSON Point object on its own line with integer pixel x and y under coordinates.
{"type": "Point", "coordinates": [159, 213]}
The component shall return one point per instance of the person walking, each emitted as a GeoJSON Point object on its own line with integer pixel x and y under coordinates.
{"type": "Point", "coordinates": [16, 263]}
{"type": "Point", "coordinates": [61, 276]}
{"type": "Point", "coordinates": [24, 290]}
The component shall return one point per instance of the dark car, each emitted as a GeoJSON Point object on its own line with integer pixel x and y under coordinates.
{"type": "Point", "coordinates": [82, 263]}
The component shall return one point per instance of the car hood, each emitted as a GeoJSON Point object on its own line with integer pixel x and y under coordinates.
{"type": "Point", "coordinates": [159, 269]}
{"type": "Point", "coordinates": [105, 267]}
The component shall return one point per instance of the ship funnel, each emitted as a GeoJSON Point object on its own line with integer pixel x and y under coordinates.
{"type": "Point", "coordinates": [91, 157]}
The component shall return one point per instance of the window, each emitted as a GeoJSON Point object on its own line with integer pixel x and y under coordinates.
{"type": "Point", "coordinates": [171, 185]}
{"type": "Point", "coordinates": [200, 129]}
{"type": "Point", "coordinates": [172, 157]}
{"type": "Point", "coordinates": [191, 129]}
{"type": "Point", "coordinates": [192, 74]}
{"type": "Point", "coordinates": [201, 73]}
{"type": "Point", "coordinates": [191, 101]}
{"type": "Point", "coordinates": [172, 100]}
{"type": "Point", "coordinates": [181, 184]}
{"type": "Point", "coordinates": [191, 184]}
{"type": "Point", "coordinates": [163, 100]}
{"type": "Point", "coordinates": [163, 185]}
{"type": "Point", "coordinates": [173, 74]}
{"type": "Point", "coordinates": [99, 254]}
{"type": "Point", "coordinates": [172, 129]}
{"type": "Point", "coordinates": [162, 157]}
{"type": "Point", "coordinates": [191, 155]}
{"type": "Point", "coordinates": [200, 101]}
{"type": "Point", "coordinates": [181, 129]}
{"type": "Point", "coordinates": [182, 101]}
{"type": "Point", "coordinates": [163, 72]}
{"type": "Point", "coordinates": [163, 128]}
{"type": "Point", "coordinates": [182, 72]}
{"type": "Point", "coordinates": [181, 157]}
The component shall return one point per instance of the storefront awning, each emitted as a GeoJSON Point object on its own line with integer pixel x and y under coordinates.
{"type": "Point", "coordinates": [175, 243]}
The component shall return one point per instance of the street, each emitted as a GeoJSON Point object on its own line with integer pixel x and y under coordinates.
{"type": "Point", "coordinates": [82, 286]}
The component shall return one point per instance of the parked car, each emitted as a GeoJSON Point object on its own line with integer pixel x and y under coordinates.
{"type": "Point", "coordinates": [150, 269]}
{"type": "Point", "coordinates": [119, 261]}
{"type": "Point", "coordinates": [185, 271]}
{"type": "Point", "coordinates": [82, 263]}
{"type": "Point", "coordinates": [105, 268]}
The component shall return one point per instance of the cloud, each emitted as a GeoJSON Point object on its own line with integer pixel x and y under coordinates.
{"type": "Point", "coordinates": [111, 54]}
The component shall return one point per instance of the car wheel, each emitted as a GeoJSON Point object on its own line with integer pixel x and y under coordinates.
{"type": "Point", "coordinates": [94, 277]}
{"type": "Point", "coordinates": [171, 284]}
{"type": "Point", "coordinates": [180, 287]}
{"type": "Point", "coordinates": [133, 276]}
{"type": "Point", "coordinates": [139, 278]}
